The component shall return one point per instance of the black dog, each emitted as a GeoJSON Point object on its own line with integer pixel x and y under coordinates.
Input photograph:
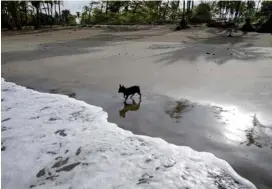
{"type": "Point", "coordinates": [129, 91]}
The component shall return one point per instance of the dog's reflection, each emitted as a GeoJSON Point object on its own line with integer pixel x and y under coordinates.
{"type": "Point", "coordinates": [129, 107]}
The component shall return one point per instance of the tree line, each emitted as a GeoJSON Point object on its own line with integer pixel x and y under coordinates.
{"type": "Point", "coordinates": [17, 14]}
{"type": "Point", "coordinates": [156, 12]}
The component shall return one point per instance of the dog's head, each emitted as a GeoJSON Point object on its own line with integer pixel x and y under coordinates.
{"type": "Point", "coordinates": [122, 89]}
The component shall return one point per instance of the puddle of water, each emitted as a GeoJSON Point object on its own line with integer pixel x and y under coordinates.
{"type": "Point", "coordinates": [176, 109]}
{"type": "Point", "coordinates": [129, 107]}
{"type": "Point", "coordinates": [236, 123]}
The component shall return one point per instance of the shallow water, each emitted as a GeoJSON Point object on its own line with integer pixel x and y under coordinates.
{"type": "Point", "coordinates": [239, 138]}
{"type": "Point", "coordinates": [235, 75]}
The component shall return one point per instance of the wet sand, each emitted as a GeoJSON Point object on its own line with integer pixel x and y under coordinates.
{"type": "Point", "coordinates": [235, 136]}
{"type": "Point", "coordinates": [229, 85]}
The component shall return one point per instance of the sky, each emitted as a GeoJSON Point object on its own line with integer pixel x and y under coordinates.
{"type": "Point", "coordinates": [75, 6]}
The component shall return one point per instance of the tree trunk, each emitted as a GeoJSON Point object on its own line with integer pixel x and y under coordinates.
{"type": "Point", "coordinates": [48, 13]}
{"type": "Point", "coordinates": [60, 20]}
{"type": "Point", "coordinates": [25, 12]}
{"type": "Point", "coordinates": [16, 16]}
{"type": "Point", "coordinates": [247, 11]}
{"type": "Point", "coordinates": [102, 4]}
{"type": "Point", "coordinates": [165, 10]}
{"type": "Point", "coordinates": [89, 18]}
{"type": "Point", "coordinates": [183, 6]}
{"type": "Point", "coordinates": [188, 11]}
{"type": "Point", "coordinates": [188, 6]}
{"type": "Point", "coordinates": [183, 11]}
{"type": "Point", "coordinates": [159, 10]}
{"type": "Point", "coordinates": [176, 9]}
{"type": "Point", "coordinates": [46, 18]}
{"type": "Point", "coordinates": [51, 10]}
{"type": "Point", "coordinates": [55, 5]}
{"type": "Point", "coordinates": [38, 24]}
{"type": "Point", "coordinates": [5, 21]}
{"type": "Point", "coordinates": [90, 11]}
{"type": "Point", "coordinates": [126, 7]}
{"type": "Point", "coordinates": [106, 8]}
{"type": "Point", "coordinates": [17, 23]}
{"type": "Point", "coordinates": [135, 8]}
{"type": "Point", "coordinates": [183, 23]}
{"type": "Point", "coordinates": [237, 10]}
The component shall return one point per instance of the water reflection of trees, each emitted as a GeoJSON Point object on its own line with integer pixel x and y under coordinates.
{"type": "Point", "coordinates": [255, 136]}
{"type": "Point", "coordinates": [176, 110]}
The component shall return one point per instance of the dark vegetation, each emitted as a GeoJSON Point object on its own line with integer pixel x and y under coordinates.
{"type": "Point", "coordinates": [34, 14]}
{"type": "Point", "coordinates": [247, 15]}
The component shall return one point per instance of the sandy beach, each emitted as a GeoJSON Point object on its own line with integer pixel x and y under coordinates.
{"type": "Point", "coordinates": [200, 88]}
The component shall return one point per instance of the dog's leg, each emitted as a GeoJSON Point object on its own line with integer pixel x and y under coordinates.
{"type": "Point", "coordinates": [140, 95]}
{"type": "Point", "coordinates": [126, 98]}
{"type": "Point", "coordinates": [132, 95]}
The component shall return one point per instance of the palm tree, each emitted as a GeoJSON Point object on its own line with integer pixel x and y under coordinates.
{"type": "Point", "coordinates": [46, 9]}
{"type": "Point", "coordinates": [165, 10]}
{"type": "Point", "coordinates": [188, 5]}
{"type": "Point", "coordinates": [101, 7]}
{"type": "Point", "coordinates": [250, 8]}
{"type": "Point", "coordinates": [36, 4]}
{"type": "Point", "coordinates": [13, 7]}
{"type": "Point", "coordinates": [47, 4]}
{"type": "Point", "coordinates": [51, 7]}
{"type": "Point", "coordinates": [91, 8]}
{"type": "Point", "coordinates": [65, 14]}
{"type": "Point", "coordinates": [51, 12]}
{"type": "Point", "coordinates": [126, 5]}
{"type": "Point", "coordinates": [24, 6]}
{"type": "Point", "coordinates": [107, 7]}
{"type": "Point", "coordinates": [60, 2]}
{"type": "Point", "coordinates": [183, 21]}
{"type": "Point", "coordinates": [188, 11]}
{"type": "Point", "coordinates": [158, 9]}
{"type": "Point", "coordinates": [78, 14]}
{"type": "Point", "coordinates": [236, 9]}
{"type": "Point", "coordinates": [55, 2]}
{"type": "Point", "coordinates": [174, 7]}
{"type": "Point", "coordinates": [85, 10]}
{"type": "Point", "coordinates": [6, 16]}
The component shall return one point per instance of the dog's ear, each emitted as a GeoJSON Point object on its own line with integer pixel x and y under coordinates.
{"type": "Point", "coordinates": [120, 85]}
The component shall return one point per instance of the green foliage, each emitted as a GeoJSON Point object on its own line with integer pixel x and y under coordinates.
{"type": "Point", "coordinates": [72, 20]}
{"type": "Point", "coordinates": [17, 14]}
{"type": "Point", "coordinates": [65, 16]}
{"type": "Point", "coordinates": [266, 9]}
{"type": "Point", "coordinates": [202, 13]}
